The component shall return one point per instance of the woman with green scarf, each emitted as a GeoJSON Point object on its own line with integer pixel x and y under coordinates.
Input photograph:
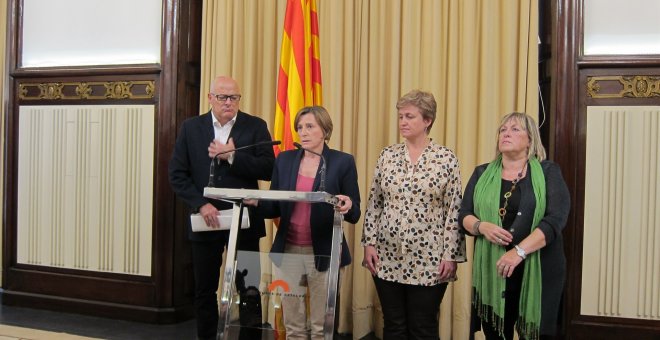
{"type": "Point", "coordinates": [516, 208]}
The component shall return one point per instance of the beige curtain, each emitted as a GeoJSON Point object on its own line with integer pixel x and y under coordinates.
{"type": "Point", "coordinates": [479, 59]}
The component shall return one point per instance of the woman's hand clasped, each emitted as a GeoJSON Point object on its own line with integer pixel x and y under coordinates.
{"type": "Point", "coordinates": [507, 263]}
{"type": "Point", "coordinates": [496, 235]}
{"type": "Point", "coordinates": [344, 204]}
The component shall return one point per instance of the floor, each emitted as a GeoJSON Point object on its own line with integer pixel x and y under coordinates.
{"type": "Point", "coordinates": [27, 323]}
{"type": "Point", "coordinates": [34, 324]}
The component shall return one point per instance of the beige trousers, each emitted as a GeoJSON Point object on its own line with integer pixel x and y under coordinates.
{"type": "Point", "coordinates": [298, 270]}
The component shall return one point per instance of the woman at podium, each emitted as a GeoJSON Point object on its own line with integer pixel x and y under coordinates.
{"type": "Point", "coordinates": [305, 231]}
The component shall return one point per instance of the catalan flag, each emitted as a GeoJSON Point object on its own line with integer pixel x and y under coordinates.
{"type": "Point", "coordinates": [299, 78]}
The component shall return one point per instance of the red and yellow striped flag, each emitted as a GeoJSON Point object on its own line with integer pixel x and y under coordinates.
{"type": "Point", "coordinates": [299, 78]}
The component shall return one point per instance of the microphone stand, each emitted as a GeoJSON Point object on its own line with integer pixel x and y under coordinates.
{"type": "Point", "coordinates": [211, 173]}
{"type": "Point", "coordinates": [214, 160]}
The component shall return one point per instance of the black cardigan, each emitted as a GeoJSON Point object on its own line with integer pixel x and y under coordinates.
{"type": "Point", "coordinates": [553, 261]}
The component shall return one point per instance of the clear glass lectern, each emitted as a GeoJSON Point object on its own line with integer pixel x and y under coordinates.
{"type": "Point", "coordinates": [257, 284]}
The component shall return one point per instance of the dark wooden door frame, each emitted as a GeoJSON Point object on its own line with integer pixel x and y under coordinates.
{"type": "Point", "coordinates": [568, 138]}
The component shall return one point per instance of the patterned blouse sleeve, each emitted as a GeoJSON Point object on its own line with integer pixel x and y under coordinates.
{"type": "Point", "coordinates": [454, 238]}
{"type": "Point", "coordinates": [374, 207]}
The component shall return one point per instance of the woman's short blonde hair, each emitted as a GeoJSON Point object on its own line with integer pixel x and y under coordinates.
{"type": "Point", "coordinates": [322, 118]}
{"type": "Point", "coordinates": [528, 124]}
{"type": "Point", "coordinates": [424, 101]}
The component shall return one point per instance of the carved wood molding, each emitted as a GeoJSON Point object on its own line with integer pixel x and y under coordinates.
{"type": "Point", "coordinates": [94, 90]}
{"type": "Point", "coordinates": [623, 86]}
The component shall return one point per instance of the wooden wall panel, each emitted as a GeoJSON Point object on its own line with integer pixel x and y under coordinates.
{"type": "Point", "coordinates": [570, 98]}
{"type": "Point", "coordinates": [85, 187]}
{"type": "Point", "coordinates": [621, 254]}
{"type": "Point", "coordinates": [142, 270]}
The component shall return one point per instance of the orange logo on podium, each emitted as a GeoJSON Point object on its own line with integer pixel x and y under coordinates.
{"type": "Point", "coordinates": [278, 283]}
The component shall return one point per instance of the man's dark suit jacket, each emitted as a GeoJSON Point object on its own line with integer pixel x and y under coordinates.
{"type": "Point", "coordinates": [189, 167]}
{"type": "Point", "coordinates": [341, 178]}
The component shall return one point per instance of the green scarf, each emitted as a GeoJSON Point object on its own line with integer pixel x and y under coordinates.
{"type": "Point", "coordinates": [488, 286]}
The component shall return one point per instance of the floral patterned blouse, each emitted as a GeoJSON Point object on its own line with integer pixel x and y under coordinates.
{"type": "Point", "coordinates": [412, 214]}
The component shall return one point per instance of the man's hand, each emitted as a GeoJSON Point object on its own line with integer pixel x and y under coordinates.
{"type": "Point", "coordinates": [216, 147]}
{"type": "Point", "coordinates": [210, 214]}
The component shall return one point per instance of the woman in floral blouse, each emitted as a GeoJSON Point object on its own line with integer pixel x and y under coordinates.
{"type": "Point", "coordinates": [411, 237]}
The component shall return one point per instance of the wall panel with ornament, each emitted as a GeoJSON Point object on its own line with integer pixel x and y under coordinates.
{"type": "Point", "coordinates": [96, 92]}
{"type": "Point", "coordinates": [606, 100]}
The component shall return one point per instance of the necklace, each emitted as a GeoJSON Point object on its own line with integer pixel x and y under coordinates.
{"type": "Point", "coordinates": [507, 195]}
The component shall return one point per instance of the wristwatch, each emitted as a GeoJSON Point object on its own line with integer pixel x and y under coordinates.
{"type": "Point", "coordinates": [521, 252]}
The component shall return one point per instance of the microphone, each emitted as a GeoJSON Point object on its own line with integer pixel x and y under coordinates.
{"type": "Point", "coordinates": [215, 158]}
{"type": "Point", "coordinates": [322, 171]}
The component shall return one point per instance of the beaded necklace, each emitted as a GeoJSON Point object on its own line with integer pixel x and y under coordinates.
{"type": "Point", "coordinates": [502, 211]}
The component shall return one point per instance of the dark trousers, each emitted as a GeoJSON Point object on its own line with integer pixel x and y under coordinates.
{"type": "Point", "coordinates": [207, 259]}
{"type": "Point", "coordinates": [512, 294]}
{"type": "Point", "coordinates": [409, 311]}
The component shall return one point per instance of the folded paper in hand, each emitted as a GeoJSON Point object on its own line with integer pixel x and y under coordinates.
{"type": "Point", "coordinates": [224, 217]}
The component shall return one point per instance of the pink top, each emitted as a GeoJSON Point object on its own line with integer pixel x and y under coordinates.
{"type": "Point", "coordinates": [300, 231]}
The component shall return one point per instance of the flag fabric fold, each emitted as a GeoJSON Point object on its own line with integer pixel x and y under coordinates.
{"type": "Point", "coordinates": [298, 83]}
{"type": "Point", "coordinates": [299, 77]}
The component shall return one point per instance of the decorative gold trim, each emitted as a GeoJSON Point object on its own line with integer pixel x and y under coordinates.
{"type": "Point", "coordinates": [630, 86]}
{"type": "Point", "coordinates": [94, 90]}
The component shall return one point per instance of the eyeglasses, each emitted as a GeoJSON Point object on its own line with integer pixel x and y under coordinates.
{"type": "Point", "coordinates": [231, 97]}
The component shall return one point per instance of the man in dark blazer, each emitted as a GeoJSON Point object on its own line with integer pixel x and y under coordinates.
{"type": "Point", "coordinates": [222, 129]}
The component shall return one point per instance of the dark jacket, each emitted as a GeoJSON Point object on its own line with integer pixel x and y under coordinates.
{"type": "Point", "coordinates": [553, 261]}
{"type": "Point", "coordinates": [341, 178]}
{"type": "Point", "coordinates": [189, 167]}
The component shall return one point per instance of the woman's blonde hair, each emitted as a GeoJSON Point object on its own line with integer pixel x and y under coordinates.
{"type": "Point", "coordinates": [424, 101]}
{"type": "Point", "coordinates": [322, 118]}
{"type": "Point", "coordinates": [528, 124]}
